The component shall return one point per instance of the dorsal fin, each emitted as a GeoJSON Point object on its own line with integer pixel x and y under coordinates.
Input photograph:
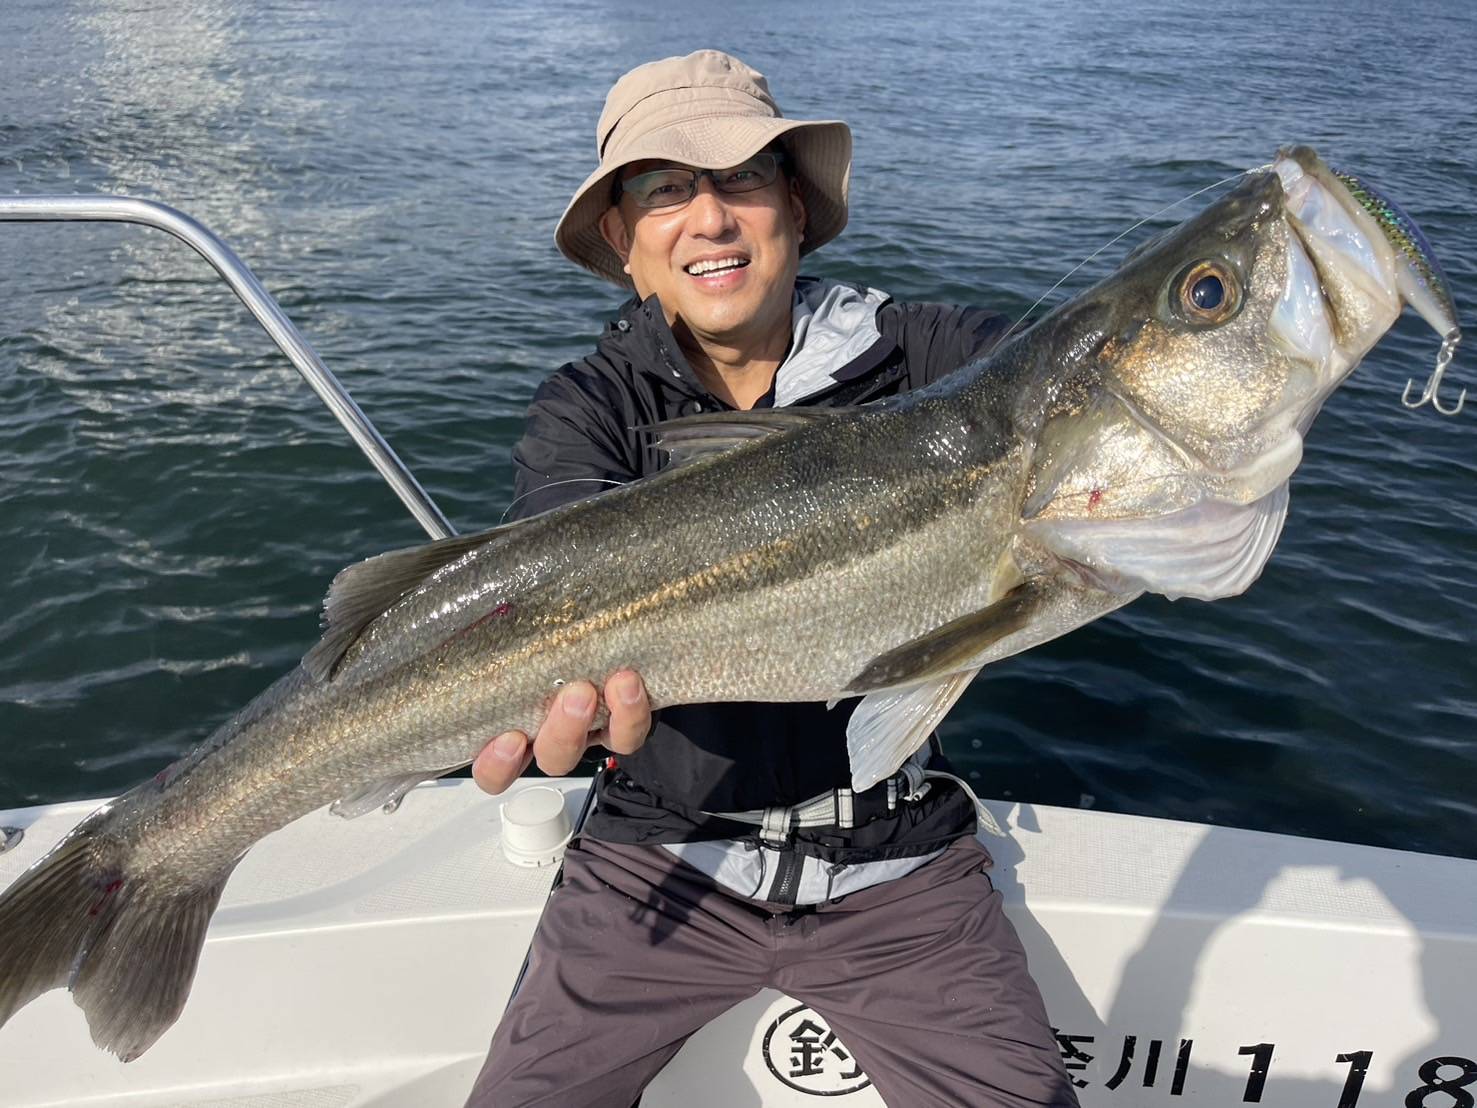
{"type": "Point", "coordinates": [367, 589]}
{"type": "Point", "coordinates": [699, 436]}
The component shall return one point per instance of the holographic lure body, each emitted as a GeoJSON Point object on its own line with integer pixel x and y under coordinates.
{"type": "Point", "coordinates": [1419, 279]}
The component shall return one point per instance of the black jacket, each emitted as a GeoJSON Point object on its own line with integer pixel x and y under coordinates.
{"type": "Point", "coordinates": [583, 435]}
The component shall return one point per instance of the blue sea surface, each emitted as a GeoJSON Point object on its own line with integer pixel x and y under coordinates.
{"type": "Point", "coordinates": [174, 501]}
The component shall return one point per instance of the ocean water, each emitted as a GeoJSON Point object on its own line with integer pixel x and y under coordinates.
{"type": "Point", "coordinates": [174, 501]}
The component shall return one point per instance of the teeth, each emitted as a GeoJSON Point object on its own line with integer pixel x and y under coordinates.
{"type": "Point", "coordinates": [697, 269]}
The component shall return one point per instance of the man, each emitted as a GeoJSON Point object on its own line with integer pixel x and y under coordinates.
{"type": "Point", "coordinates": [698, 881]}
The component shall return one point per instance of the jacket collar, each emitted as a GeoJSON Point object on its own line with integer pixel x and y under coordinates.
{"type": "Point", "coordinates": [833, 323]}
{"type": "Point", "coordinates": [640, 333]}
{"type": "Point", "coordinates": [835, 338]}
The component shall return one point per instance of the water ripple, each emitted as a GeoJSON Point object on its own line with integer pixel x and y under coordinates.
{"type": "Point", "coordinates": [176, 501]}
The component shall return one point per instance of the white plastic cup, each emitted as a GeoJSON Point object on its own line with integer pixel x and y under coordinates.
{"type": "Point", "coordinates": [535, 827]}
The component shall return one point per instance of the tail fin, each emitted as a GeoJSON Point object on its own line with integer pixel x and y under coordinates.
{"type": "Point", "coordinates": [128, 950]}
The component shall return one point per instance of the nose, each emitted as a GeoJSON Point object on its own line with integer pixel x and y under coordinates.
{"type": "Point", "coordinates": [708, 213]}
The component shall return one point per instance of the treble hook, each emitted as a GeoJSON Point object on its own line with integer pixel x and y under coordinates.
{"type": "Point", "coordinates": [1428, 395]}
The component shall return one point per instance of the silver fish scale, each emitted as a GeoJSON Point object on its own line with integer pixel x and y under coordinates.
{"type": "Point", "coordinates": [1133, 440]}
{"type": "Point", "coordinates": [869, 531]}
{"type": "Point", "coordinates": [783, 568]}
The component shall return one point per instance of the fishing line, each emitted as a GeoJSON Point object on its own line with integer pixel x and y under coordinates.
{"type": "Point", "coordinates": [1130, 230]}
{"type": "Point", "coordinates": [568, 481]}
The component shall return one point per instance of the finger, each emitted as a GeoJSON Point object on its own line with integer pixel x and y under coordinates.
{"type": "Point", "coordinates": [502, 762]}
{"type": "Point", "coordinates": [561, 741]}
{"type": "Point", "coordinates": [630, 712]}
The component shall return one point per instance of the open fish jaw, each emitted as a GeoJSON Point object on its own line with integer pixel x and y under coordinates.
{"type": "Point", "coordinates": [1387, 262]}
{"type": "Point", "coordinates": [1174, 479]}
{"type": "Point", "coordinates": [1353, 296]}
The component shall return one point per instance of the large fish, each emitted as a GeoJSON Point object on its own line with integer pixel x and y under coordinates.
{"type": "Point", "coordinates": [1137, 439]}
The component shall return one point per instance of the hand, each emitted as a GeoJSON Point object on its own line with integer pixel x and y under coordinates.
{"type": "Point", "coordinates": [566, 732]}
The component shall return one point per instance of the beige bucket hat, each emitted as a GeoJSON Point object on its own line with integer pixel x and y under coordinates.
{"type": "Point", "coordinates": [711, 111]}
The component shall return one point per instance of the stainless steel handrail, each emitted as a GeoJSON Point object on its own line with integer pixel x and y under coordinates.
{"type": "Point", "coordinates": [150, 213]}
{"type": "Point", "coordinates": [127, 209]}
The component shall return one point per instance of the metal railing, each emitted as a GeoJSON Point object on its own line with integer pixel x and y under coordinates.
{"type": "Point", "coordinates": [235, 272]}
{"type": "Point", "coordinates": [149, 213]}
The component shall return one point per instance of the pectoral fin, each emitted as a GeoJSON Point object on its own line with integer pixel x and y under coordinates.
{"type": "Point", "coordinates": [948, 649]}
{"type": "Point", "coordinates": [911, 688]}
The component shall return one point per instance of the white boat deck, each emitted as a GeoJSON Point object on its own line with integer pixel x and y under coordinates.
{"type": "Point", "coordinates": [366, 963]}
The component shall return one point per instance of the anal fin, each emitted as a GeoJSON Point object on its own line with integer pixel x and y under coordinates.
{"type": "Point", "coordinates": [386, 794]}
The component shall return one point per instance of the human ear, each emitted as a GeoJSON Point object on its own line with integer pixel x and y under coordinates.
{"type": "Point", "coordinates": [615, 232]}
{"type": "Point", "coordinates": [797, 209]}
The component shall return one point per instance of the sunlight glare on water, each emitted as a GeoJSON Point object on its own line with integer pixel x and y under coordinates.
{"type": "Point", "coordinates": [176, 501]}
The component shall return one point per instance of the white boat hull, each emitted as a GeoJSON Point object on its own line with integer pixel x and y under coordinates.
{"type": "Point", "coordinates": [366, 963]}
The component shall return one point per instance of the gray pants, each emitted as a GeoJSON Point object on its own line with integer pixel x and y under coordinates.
{"type": "Point", "coordinates": [923, 979]}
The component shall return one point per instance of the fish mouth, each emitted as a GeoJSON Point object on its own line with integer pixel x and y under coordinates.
{"type": "Point", "coordinates": [1342, 289]}
{"type": "Point", "coordinates": [1369, 259]}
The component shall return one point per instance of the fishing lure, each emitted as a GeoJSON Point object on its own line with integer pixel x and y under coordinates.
{"type": "Point", "coordinates": [1420, 280]}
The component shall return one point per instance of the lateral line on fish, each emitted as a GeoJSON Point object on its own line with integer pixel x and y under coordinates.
{"type": "Point", "coordinates": [1130, 230]}
{"type": "Point", "coordinates": [707, 580]}
{"type": "Point", "coordinates": [567, 630]}
{"type": "Point", "coordinates": [573, 631]}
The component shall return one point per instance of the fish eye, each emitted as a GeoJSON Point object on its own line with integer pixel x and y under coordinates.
{"type": "Point", "coordinates": [1208, 293]}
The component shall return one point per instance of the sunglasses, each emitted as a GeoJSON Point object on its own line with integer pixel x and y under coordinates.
{"type": "Point", "coordinates": [667, 188]}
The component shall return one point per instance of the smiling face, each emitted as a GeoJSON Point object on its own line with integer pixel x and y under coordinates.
{"type": "Point", "coordinates": [723, 265]}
